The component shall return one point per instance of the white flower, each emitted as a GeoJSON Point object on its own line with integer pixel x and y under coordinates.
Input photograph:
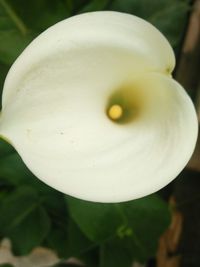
{"type": "Point", "coordinates": [92, 109]}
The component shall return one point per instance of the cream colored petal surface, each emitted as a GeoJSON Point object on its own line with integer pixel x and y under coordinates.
{"type": "Point", "coordinates": [55, 105]}
{"type": "Point", "coordinates": [84, 35]}
{"type": "Point", "coordinates": [74, 147]}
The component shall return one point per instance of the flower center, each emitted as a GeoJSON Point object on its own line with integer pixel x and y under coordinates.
{"type": "Point", "coordinates": [115, 112]}
{"type": "Point", "coordinates": [124, 104]}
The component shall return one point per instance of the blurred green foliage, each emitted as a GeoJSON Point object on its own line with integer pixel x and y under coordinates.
{"type": "Point", "coordinates": [132, 226]}
{"type": "Point", "coordinates": [33, 214]}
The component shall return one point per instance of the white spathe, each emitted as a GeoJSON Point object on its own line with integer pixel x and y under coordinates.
{"type": "Point", "coordinates": [54, 108]}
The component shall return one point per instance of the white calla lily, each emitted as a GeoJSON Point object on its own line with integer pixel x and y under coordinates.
{"type": "Point", "coordinates": [92, 109]}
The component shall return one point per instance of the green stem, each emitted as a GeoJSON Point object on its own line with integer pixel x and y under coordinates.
{"type": "Point", "coordinates": [14, 17]}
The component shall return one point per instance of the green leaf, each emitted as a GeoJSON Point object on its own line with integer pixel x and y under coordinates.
{"type": "Point", "coordinates": [167, 15]}
{"type": "Point", "coordinates": [78, 243]}
{"type": "Point", "coordinates": [116, 253]}
{"type": "Point", "coordinates": [14, 35]}
{"type": "Point", "coordinates": [95, 5]}
{"type": "Point", "coordinates": [23, 220]}
{"type": "Point", "coordinates": [54, 203]}
{"type": "Point", "coordinates": [148, 218]}
{"type": "Point", "coordinates": [66, 239]}
{"type": "Point", "coordinates": [69, 4]}
{"type": "Point", "coordinates": [12, 44]}
{"type": "Point", "coordinates": [15, 207]}
{"type": "Point", "coordinates": [97, 221]}
{"type": "Point", "coordinates": [76, 5]}
{"type": "Point", "coordinates": [3, 72]}
{"type": "Point", "coordinates": [6, 265]}
{"type": "Point", "coordinates": [139, 222]}
{"type": "Point", "coordinates": [5, 148]}
{"type": "Point", "coordinates": [57, 240]}
{"type": "Point", "coordinates": [43, 13]}
{"type": "Point", "coordinates": [174, 27]}
{"type": "Point", "coordinates": [90, 258]}
{"type": "Point", "coordinates": [19, 174]}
